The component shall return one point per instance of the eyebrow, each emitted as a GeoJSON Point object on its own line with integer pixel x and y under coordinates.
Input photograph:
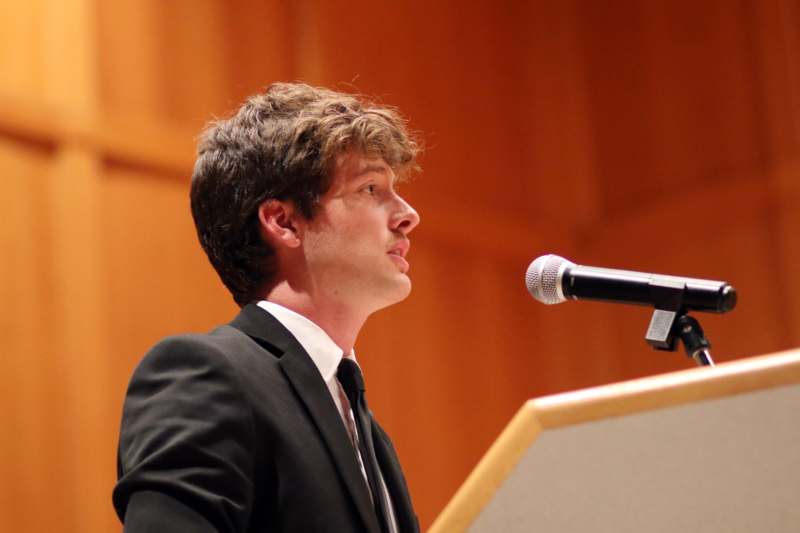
{"type": "Point", "coordinates": [372, 168]}
{"type": "Point", "coordinates": [382, 169]}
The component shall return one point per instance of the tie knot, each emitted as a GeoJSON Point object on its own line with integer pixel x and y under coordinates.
{"type": "Point", "coordinates": [350, 377]}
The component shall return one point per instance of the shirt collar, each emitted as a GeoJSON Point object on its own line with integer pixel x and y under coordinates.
{"type": "Point", "coordinates": [325, 353]}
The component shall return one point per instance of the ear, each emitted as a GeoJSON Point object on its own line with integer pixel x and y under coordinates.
{"type": "Point", "coordinates": [278, 222]}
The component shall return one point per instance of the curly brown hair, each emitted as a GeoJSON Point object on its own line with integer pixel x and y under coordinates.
{"type": "Point", "coordinates": [281, 144]}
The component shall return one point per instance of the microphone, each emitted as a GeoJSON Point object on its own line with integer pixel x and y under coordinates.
{"type": "Point", "coordinates": [552, 279]}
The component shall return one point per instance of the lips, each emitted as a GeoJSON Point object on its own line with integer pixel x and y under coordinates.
{"type": "Point", "coordinates": [398, 253]}
{"type": "Point", "coordinates": [400, 248]}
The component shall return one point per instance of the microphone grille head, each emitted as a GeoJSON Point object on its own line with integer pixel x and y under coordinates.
{"type": "Point", "coordinates": [543, 278]}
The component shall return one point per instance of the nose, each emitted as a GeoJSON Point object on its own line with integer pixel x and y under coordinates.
{"type": "Point", "coordinates": [405, 217]}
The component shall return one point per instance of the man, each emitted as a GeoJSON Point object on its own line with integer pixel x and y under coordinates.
{"type": "Point", "coordinates": [261, 425]}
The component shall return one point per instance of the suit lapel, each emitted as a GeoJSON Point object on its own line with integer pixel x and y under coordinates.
{"type": "Point", "coordinates": [313, 392]}
{"type": "Point", "coordinates": [395, 481]}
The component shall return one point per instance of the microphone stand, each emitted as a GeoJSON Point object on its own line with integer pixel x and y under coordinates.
{"type": "Point", "coordinates": [694, 341]}
{"type": "Point", "coordinates": [667, 327]}
{"type": "Point", "coordinates": [672, 322]}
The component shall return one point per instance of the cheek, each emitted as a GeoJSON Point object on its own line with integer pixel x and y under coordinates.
{"type": "Point", "coordinates": [362, 228]}
{"type": "Point", "coordinates": [346, 245]}
{"type": "Point", "coordinates": [349, 233]}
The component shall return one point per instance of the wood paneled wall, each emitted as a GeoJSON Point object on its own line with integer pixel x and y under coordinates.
{"type": "Point", "coordinates": [641, 135]}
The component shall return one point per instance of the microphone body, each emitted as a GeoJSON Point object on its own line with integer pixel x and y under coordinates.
{"type": "Point", "coordinates": [552, 279]}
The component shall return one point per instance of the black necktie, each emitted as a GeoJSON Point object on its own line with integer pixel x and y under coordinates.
{"type": "Point", "coordinates": [352, 381]}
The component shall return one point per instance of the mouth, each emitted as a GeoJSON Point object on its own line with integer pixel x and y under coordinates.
{"type": "Point", "coordinates": [398, 254]}
{"type": "Point", "coordinates": [400, 248]}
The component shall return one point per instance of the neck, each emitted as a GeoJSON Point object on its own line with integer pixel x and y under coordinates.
{"type": "Point", "coordinates": [339, 321]}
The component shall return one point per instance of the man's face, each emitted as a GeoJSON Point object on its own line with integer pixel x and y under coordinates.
{"type": "Point", "coordinates": [355, 245]}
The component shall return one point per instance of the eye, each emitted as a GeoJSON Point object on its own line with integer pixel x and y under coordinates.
{"type": "Point", "coordinates": [370, 189]}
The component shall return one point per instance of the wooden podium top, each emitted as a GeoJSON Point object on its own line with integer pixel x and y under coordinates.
{"type": "Point", "coordinates": [675, 392]}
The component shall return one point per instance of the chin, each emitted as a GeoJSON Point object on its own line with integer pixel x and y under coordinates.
{"type": "Point", "coordinates": [406, 290]}
{"type": "Point", "coordinates": [398, 292]}
{"type": "Point", "coordinates": [404, 285]}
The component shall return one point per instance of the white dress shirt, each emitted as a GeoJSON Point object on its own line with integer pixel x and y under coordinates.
{"type": "Point", "coordinates": [326, 356]}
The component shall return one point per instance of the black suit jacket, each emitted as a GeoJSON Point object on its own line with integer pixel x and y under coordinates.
{"type": "Point", "coordinates": [236, 431]}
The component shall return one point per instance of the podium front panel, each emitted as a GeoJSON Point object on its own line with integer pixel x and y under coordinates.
{"type": "Point", "coordinates": [724, 465]}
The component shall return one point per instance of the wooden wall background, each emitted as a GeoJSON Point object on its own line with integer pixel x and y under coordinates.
{"type": "Point", "coordinates": [655, 136]}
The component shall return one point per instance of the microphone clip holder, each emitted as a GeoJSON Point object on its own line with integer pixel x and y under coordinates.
{"type": "Point", "coordinates": [671, 322]}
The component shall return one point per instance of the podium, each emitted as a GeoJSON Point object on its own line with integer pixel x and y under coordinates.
{"type": "Point", "coordinates": [711, 449]}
